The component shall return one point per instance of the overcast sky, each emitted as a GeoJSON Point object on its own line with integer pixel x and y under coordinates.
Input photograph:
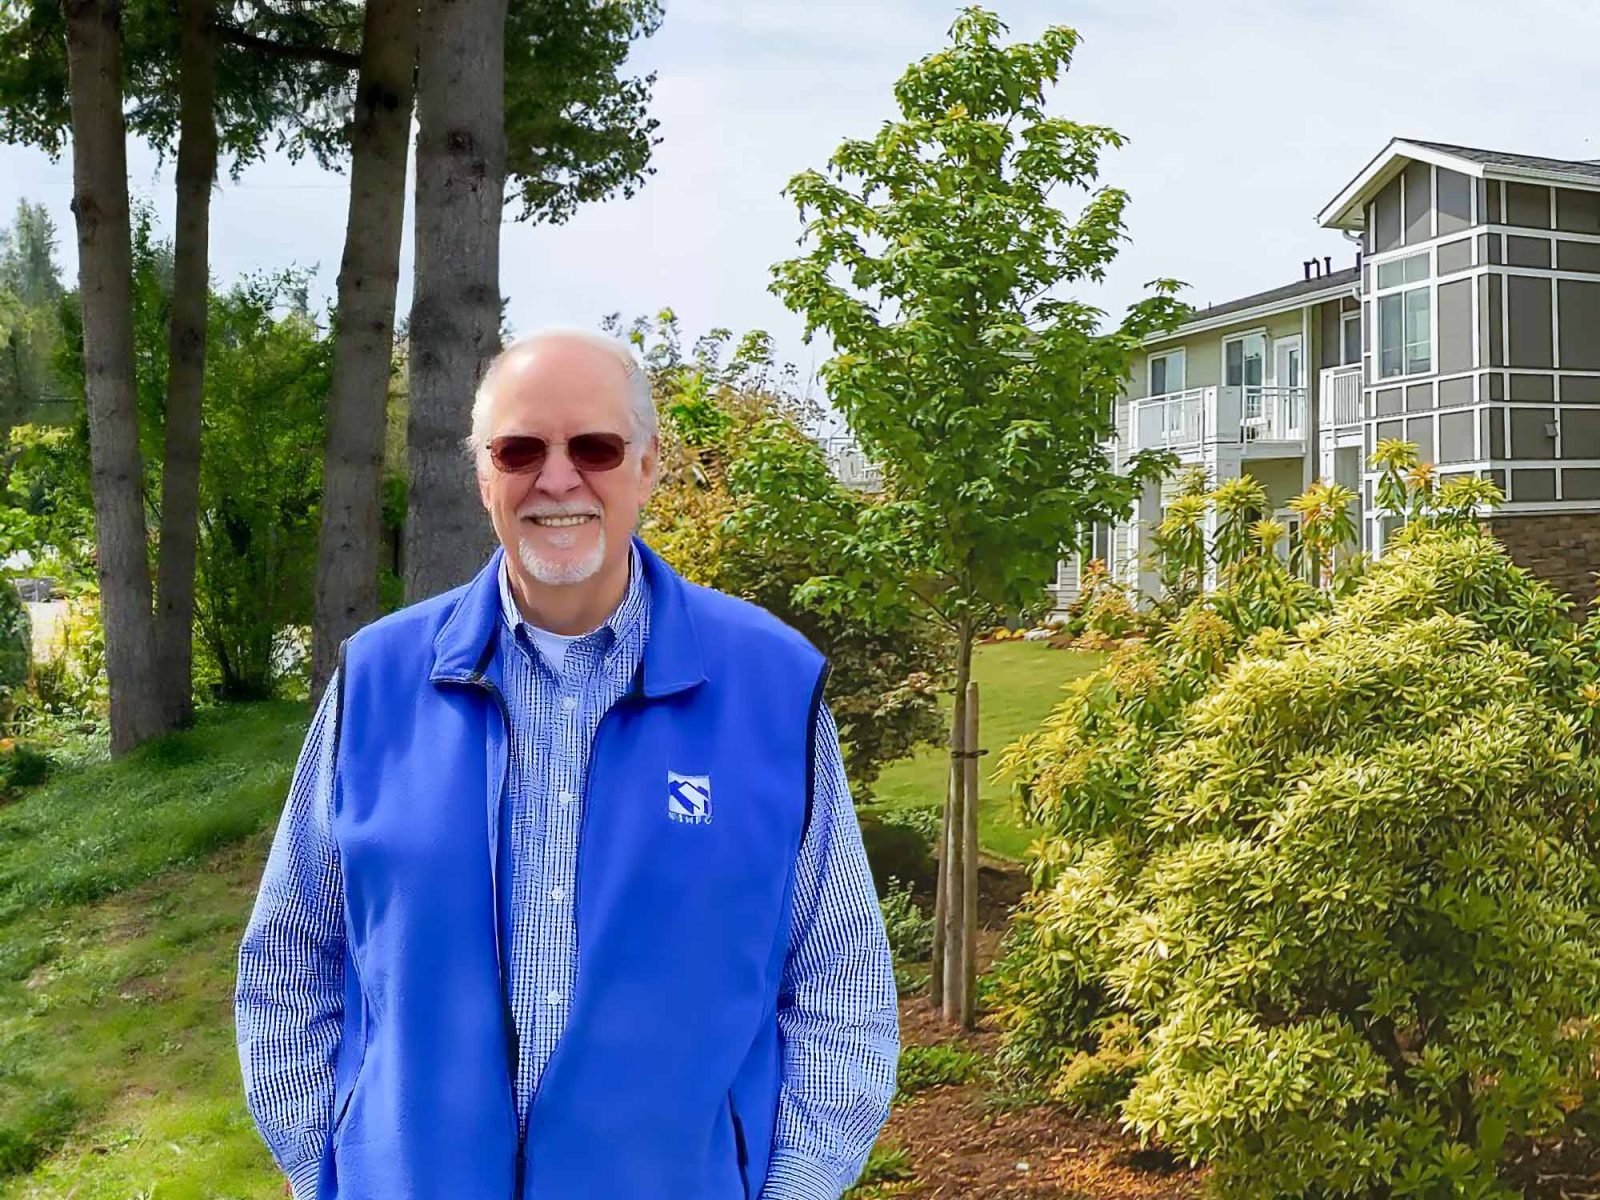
{"type": "Point", "coordinates": [1243, 119]}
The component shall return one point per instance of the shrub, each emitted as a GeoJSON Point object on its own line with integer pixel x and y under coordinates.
{"type": "Point", "coordinates": [1343, 876]}
{"type": "Point", "coordinates": [1097, 1081]}
{"type": "Point", "coordinates": [897, 852]}
{"type": "Point", "coordinates": [910, 930]}
{"type": "Point", "coordinates": [69, 682]}
{"type": "Point", "coordinates": [949, 1064]}
{"type": "Point", "coordinates": [16, 642]}
{"type": "Point", "coordinates": [21, 766]}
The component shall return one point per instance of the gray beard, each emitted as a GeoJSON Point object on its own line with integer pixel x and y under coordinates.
{"type": "Point", "coordinates": [549, 572]}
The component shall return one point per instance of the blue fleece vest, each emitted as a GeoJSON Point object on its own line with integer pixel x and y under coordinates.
{"type": "Point", "coordinates": [665, 1083]}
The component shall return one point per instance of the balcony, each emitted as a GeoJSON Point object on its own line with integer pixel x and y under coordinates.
{"type": "Point", "coordinates": [851, 467]}
{"type": "Point", "coordinates": [1341, 396]}
{"type": "Point", "coordinates": [1272, 414]}
{"type": "Point", "coordinates": [1175, 421]}
{"type": "Point", "coordinates": [1267, 422]}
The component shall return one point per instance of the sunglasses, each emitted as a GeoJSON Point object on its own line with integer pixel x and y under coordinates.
{"type": "Point", "coordinates": [522, 454]}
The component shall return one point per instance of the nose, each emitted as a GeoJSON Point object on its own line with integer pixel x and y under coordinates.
{"type": "Point", "coordinates": [558, 476]}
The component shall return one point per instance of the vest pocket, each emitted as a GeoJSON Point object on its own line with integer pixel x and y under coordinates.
{"type": "Point", "coordinates": [739, 1145]}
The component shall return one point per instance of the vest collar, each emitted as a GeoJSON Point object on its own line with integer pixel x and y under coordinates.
{"type": "Point", "coordinates": [672, 662]}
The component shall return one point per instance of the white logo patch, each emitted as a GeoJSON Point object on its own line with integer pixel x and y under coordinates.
{"type": "Point", "coordinates": [689, 798]}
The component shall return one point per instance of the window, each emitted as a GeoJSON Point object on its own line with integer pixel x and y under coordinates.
{"type": "Point", "coordinates": [1242, 360]}
{"type": "Point", "coordinates": [1352, 339]}
{"type": "Point", "coordinates": [1405, 318]}
{"type": "Point", "coordinates": [1166, 373]}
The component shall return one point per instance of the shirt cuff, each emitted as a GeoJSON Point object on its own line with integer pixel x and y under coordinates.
{"type": "Point", "coordinates": [792, 1176]}
{"type": "Point", "coordinates": [303, 1179]}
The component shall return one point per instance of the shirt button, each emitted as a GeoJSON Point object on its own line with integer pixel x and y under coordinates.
{"type": "Point", "coordinates": [567, 797]}
{"type": "Point", "coordinates": [554, 997]}
{"type": "Point", "coordinates": [558, 893]}
{"type": "Point", "coordinates": [569, 703]}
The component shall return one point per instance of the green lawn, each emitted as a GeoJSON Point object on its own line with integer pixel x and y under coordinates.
{"type": "Point", "coordinates": [123, 891]}
{"type": "Point", "coordinates": [1018, 684]}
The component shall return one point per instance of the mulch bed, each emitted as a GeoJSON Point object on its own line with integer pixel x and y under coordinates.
{"type": "Point", "coordinates": [959, 1146]}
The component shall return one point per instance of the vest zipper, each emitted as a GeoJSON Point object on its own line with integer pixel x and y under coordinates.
{"type": "Point", "coordinates": [577, 872]}
{"type": "Point", "coordinates": [513, 1042]}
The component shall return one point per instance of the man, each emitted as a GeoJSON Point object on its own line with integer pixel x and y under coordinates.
{"type": "Point", "coordinates": [568, 899]}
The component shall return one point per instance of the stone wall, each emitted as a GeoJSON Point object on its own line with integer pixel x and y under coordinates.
{"type": "Point", "coordinates": [1563, 549]}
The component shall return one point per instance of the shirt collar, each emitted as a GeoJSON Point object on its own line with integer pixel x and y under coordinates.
{"type": "Point", "coordinates": [615, 628]}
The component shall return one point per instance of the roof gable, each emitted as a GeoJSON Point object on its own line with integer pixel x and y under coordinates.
{"type": "Point", "coordinates": [1345, 211]}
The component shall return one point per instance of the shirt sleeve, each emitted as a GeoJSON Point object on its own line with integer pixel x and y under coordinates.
{"type": "Point", "coordinates": [289, 999]}
{"type": "Point", "coordinates": [837, 1010]}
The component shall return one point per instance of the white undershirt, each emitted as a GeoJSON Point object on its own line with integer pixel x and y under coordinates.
{"type": "Point", "coordinates": [553, 646]}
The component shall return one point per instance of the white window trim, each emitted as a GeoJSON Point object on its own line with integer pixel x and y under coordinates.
{"type": "Point", "coordinates": [1378, 294]}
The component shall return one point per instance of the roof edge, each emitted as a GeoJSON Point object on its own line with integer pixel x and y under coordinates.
{"type": "Point", "coordinates": [1202, 323]}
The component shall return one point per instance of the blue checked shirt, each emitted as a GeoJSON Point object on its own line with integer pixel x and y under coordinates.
{"type": "Point", "coordinates": [836, 1006]}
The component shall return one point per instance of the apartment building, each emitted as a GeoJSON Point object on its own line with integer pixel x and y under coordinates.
{"type": "Point", "coordinates": [1469, 323]}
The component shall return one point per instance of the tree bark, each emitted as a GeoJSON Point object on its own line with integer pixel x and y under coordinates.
{"type": "Point", "coordinates": [956, 948]}
{"type": "Point", "coordinates": [350, 541]}
{"type": "Point", "coordinates": [105, 282]}
{"type": "Point", "coordinates": [191, 277]}
{"type": "Point", "coordinates": [455, 308]}
{"type": "Point", "coordinates": [967, 1008]}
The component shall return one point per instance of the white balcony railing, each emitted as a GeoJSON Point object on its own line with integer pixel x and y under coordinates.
{"type": "Point", "coordinates": [1341, 396]}
{"type": "Point", "coordinates": [1272, 414]}
{"type": "Point", "coordinates": [1175, 421]}
{"type": "Point", "coordinates": [851, 467]}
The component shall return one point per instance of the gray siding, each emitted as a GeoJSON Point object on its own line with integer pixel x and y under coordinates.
{"type": "Point", "coordinates": [1419, 202]}
{"type": "Point", "coordinates": [1527, 251]}
{"type": "Point", "coordinates": [1577, 212]}
{"type": "Point", "coordinates": [1454, 256]}
{"type": "Point", "coordinates": [1578, 302]}
{"type": "Point", "coordinates": [1528, 436]}
{"type": "Point", "coordinates": [1386, 218]}
{"type": "Point", "coordinates": [1455, 201]}
{"type": "Point", "coordinates": [1455, 437]}
{"type": "Point", "coordinates": [1528, 331]}
{"type": "Point", "coordinates": [1578, 256]}
{"type": "Point", "coordinates": [1455, 326]}
{"type": "Point", "coordinates": [1528, 205]}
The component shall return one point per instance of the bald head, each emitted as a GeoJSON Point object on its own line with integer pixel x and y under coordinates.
{"type": "Point", "coordinates": [567, 360]}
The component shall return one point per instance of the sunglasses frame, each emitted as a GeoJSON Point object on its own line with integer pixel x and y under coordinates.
{"type": "Point", "coordinates": [549, 443]}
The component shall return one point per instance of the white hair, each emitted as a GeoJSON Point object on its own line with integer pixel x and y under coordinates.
{"type": "Point", "coordinates": [639, 397]}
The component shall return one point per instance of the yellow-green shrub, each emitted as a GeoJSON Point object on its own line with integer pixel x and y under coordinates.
{"type": "Point", "coordinates": [1342, 881]}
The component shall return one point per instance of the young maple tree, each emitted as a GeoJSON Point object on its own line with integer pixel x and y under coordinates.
{"type": "Point", "coordinates": [937, 262]}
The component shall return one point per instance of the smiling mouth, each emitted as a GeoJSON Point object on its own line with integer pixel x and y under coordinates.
{"type": "Point", "coordinates": [563, 522]}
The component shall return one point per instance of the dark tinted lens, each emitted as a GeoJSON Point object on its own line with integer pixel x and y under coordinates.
{"type": "Point", "coordinates": [517, 453]}
{"type": "Point", "coordinates": [596, 451]}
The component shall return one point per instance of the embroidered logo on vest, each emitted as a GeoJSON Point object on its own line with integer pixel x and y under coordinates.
{"type": "Point", "coordinates": [689, 798]}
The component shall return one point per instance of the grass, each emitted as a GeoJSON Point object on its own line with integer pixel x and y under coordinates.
{"type": "Point", "coordinates": [124, 888]}
{"type": "Point", "coordinates": [1018, 684]}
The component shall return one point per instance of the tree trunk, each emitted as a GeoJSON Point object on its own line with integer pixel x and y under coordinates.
{"type": "Point", "coordinates": [455, 307]}
{"type": "Point", "coordinates": [186, 371]}
{"type": "Point", "coordinates": [105, 282]}
{"type": "Point", "coordinates": [352, 471]}
{"type": "Point", "coordinates": [955, 942]}
{"type": "Point", "coordinates": [968, 1005]}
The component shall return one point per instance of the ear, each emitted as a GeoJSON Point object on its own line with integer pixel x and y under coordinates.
{"type": "Point", "coordinates": [649, 463]}
{"type": "Point", "coordinates": [483, 485]}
